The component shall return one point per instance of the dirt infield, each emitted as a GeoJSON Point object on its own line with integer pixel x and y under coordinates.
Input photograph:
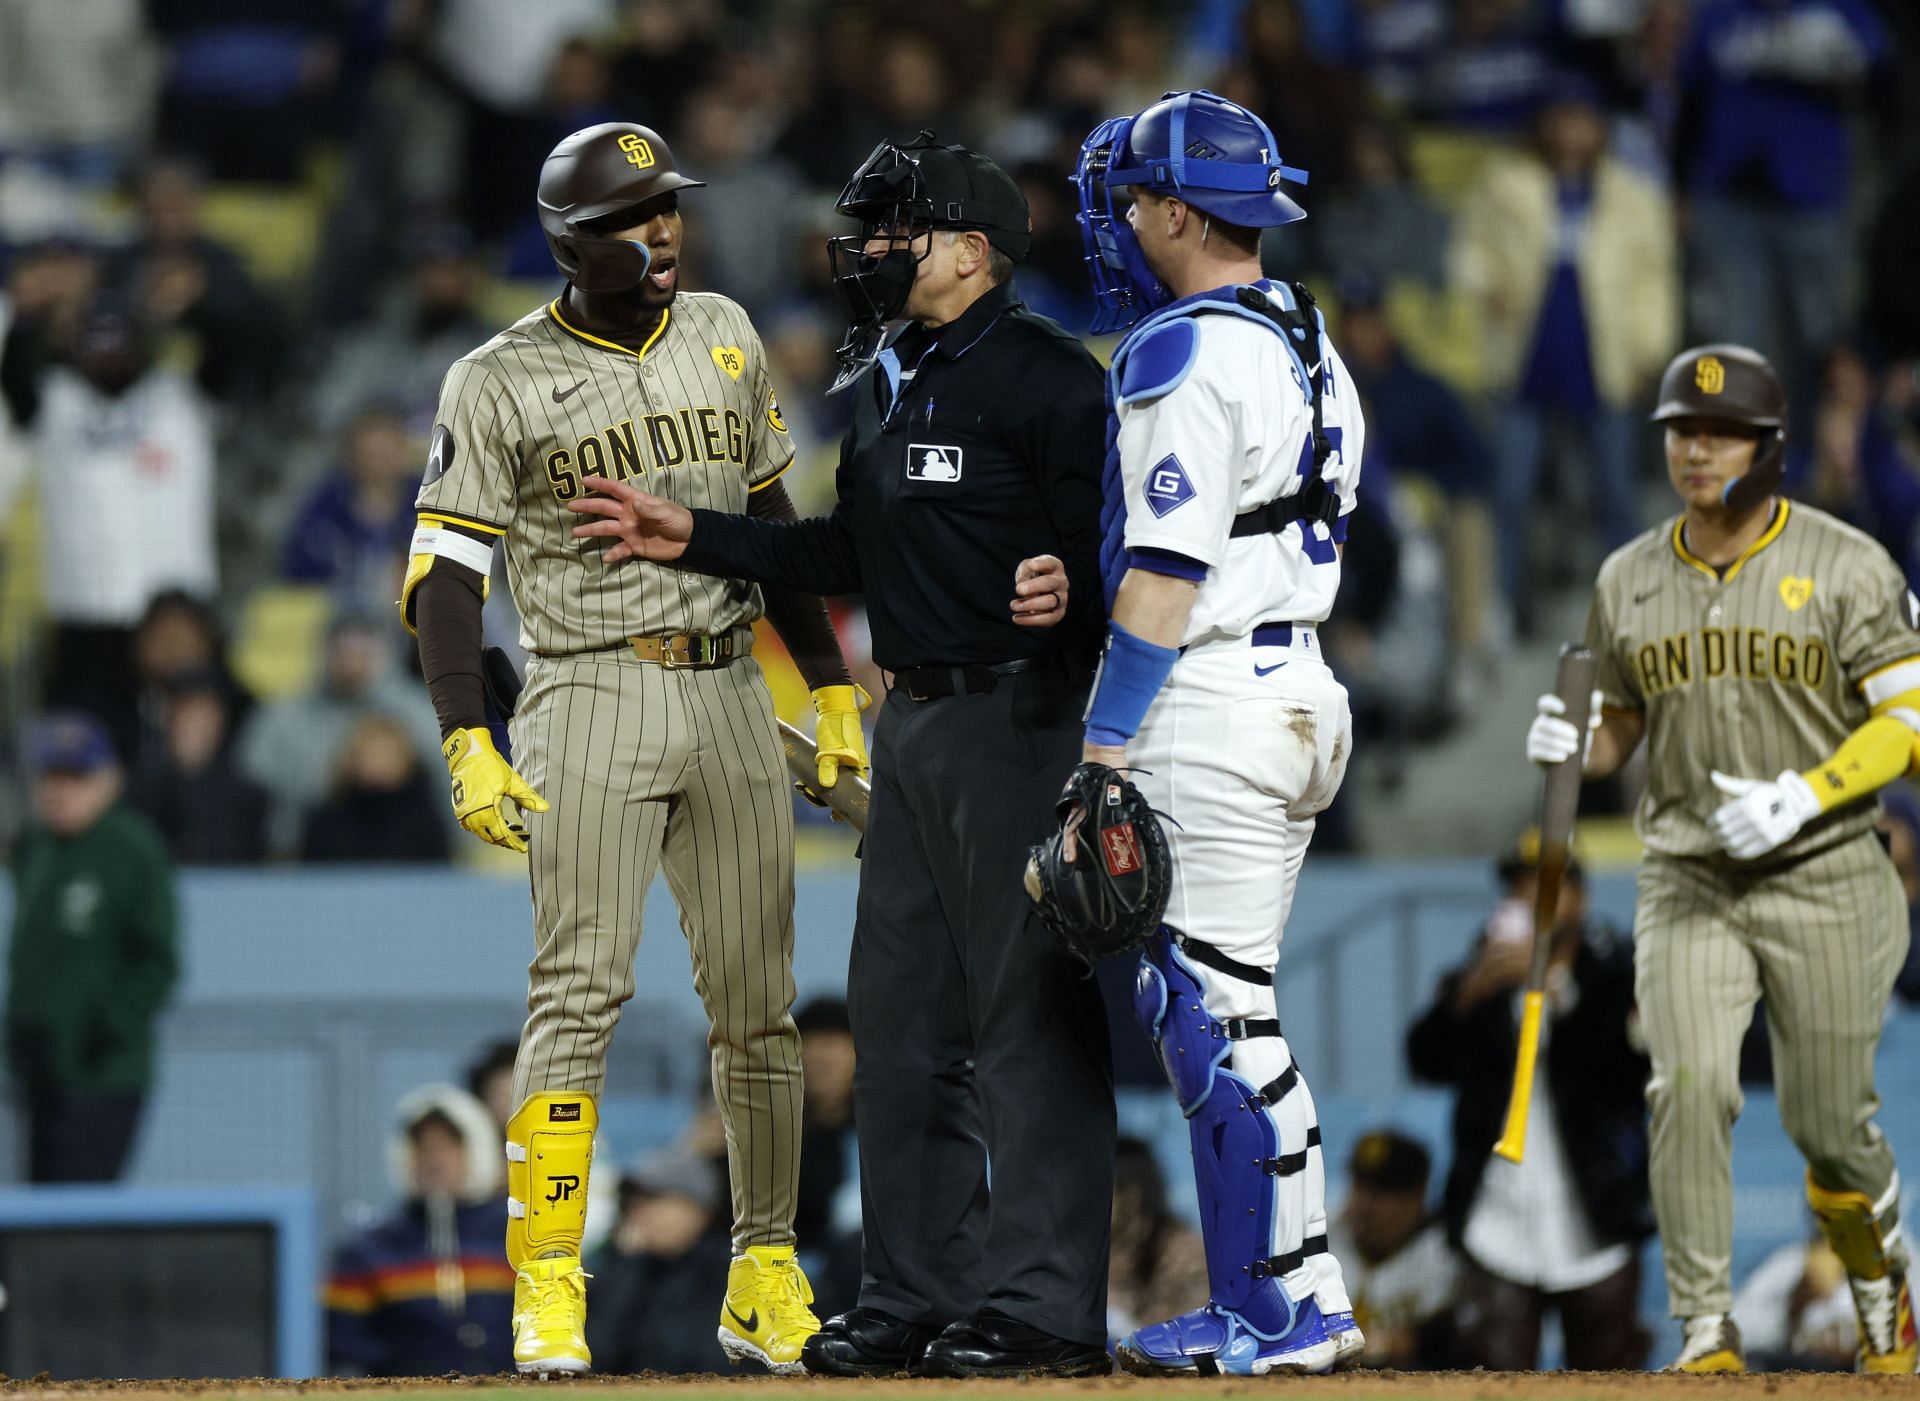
{"type": "Point", "coordinates": [1351, 1386]}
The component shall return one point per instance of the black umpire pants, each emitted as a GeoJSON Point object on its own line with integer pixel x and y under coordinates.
{"type": "Point", "coordinates": [981, 1046]}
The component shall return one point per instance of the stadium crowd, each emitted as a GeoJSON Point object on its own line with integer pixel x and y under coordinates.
{"type": "Point", "coordinates": [242, 241]}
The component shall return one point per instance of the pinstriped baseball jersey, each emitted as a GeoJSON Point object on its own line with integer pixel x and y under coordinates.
{"type": "Point", "coordinates": [690, 416]}
{"type": "Point", "coordinates": [1764, 667]}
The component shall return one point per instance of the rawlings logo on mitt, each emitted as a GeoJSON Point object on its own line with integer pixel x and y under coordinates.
{"type": "Point", "coordinates": [1100, 883]}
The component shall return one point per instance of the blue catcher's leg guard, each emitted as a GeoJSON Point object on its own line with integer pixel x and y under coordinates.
{"type": "Point", "coordinates": [1250, 1323]}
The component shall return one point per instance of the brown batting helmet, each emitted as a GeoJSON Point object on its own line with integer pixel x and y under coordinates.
{"type": "Point", "coordinates": [1732, 384]}
{"type": "Point", "coordinates": [592, 175]}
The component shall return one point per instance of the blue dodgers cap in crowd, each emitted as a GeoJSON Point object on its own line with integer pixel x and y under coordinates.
{"type": "Point", "coordinates": [71, 742]}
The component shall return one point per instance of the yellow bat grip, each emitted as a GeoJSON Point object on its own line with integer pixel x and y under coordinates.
{"type": "Point", "coordinates": [1513, 1139]}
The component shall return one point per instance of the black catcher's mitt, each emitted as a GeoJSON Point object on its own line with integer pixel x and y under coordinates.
{"type": "Point", "coordinates": [1111, 896]}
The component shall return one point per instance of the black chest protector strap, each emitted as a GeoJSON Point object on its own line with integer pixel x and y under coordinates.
{"type": "Point", "coordinates": [1317, 500]}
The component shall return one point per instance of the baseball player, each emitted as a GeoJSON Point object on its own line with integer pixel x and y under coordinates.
{"type": "Point", "coordinates": [1769, 657]}
{"type": "Point", "coordinates": [644, 733]}
{"type": "Point", "coordinates": [1239, 440]}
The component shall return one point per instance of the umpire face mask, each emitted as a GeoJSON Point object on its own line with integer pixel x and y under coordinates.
{"type": "Point", "coordinates": [874, 270]}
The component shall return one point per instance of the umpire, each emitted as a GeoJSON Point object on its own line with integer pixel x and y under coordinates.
{"type": "Point", "coordinates": [971, 472]}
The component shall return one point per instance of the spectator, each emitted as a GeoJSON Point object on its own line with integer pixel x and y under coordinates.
{"type": "Point", "coordinates": [76, 82]}
{"type": "Point", "coordinates": [1380, 224]}
{"type": "Point", "coordinates": [1159, 1267]}
{"type": "Point", "coordinates": [1490, 70]}
{"type": "Point", "coordinates": [826, 1216]}
{"type": "Point", "coordinates": [1569, 257]}
{"type": "Point", "coordinates": [92, 958]}
{"type": "Point", "coordinates": [427, 1291]}
{"type": "Point", "coordinates": [210, 813]}
{"type": "Point", "coordinates": [1795, 1312]}
{"type": "Point", "coordinates": [294, 747]}
{"type": "Point", "coordinates": [398, 361]}
{"type": "Point", "coordinates": [1401, 1272]}
{"type": "Point", "coordinates": [653, 1281]}
{"type": "Point", "coordinates": [490, 1080]}
{"type": "Point", "coordinates": [351, 532]}
{"type": "Point", "coordinates": [1765, 158]}
{"type": "Point", "coordinates": [752, 206]}
{"type": "Point", "coordinates": [382, 807]}
{"type": "Point", "coordinates": [1423, 429]}
{"type": "Point", "coordinates": [1560, 1230]}
{"type": "Point", "coordinates": [124, 455]}
{"type": "Point", "coordinates": [179, 636]}
{"type": "Point", "coordinates": [249, 83]}
{"type": "Point", "coordinates": [188, 283]}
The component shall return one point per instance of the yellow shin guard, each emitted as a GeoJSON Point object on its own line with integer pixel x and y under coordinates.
{"type": "Point", "coordinates": [1854, 1229]}
{"type": "Point", "coordinates": [549, 1150]}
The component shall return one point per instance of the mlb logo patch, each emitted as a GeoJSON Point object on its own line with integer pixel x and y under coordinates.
{"type": "Point", "coordinates": [1167, 486]}
{"type": "Point", "coordinates": [933, 462]}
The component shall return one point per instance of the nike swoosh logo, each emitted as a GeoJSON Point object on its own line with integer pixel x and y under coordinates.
{"type": "Point", "coordinates": [560, 395]}
{"type": "Point", "coordinates": [1259, 670]}
{"type": "Point", "coordinates": [749, 1323]}
{"type": "Point", "coordinates": [1640, 598]}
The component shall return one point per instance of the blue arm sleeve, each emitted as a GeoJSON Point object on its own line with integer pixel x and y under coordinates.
{"type": "Point", "coordinates": [1131, 674]}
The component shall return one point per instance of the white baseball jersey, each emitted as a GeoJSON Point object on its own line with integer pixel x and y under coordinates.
{"type": "Point", "coordinates": [1235, 434]}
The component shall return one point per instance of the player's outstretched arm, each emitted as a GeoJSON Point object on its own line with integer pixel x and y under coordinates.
{"type": "Point", "coordinates": [640, 526]}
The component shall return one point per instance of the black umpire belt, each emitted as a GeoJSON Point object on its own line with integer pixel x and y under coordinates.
{"type": "Point", "coordinates": [926, 683]}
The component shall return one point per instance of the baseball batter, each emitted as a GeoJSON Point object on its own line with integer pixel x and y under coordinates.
{"type": "Point", "coordinates": [1749, 638]}
{"type": "Point", "coordinates": [644, 733]}
{"type": "Point", "coordinates": [1238, 444]}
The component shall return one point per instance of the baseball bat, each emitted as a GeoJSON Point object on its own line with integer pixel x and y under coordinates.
{"type": "Point", "coordinates": [1573, 684]}
{"type": "Point", "coordinates": [847, 799]}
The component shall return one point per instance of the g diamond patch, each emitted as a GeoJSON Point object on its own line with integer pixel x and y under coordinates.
{"type": "Point", "coordinates": [1167, 486]}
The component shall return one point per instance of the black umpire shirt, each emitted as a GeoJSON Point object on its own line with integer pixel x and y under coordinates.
{"type": "Point", "coordinates": [972, 448]}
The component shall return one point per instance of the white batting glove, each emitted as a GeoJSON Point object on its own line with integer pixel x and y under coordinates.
{"type": "Point", "coordinates": [1761, 815]}
{"type": "Point", "coordinates": [1552, 739]}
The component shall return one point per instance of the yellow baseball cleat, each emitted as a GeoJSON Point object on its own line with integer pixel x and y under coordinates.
{"type": "Point", "coordinates": [550, 1317]}
{"type": "Point", "coordinates": [766, 1317]}
{"type": "Point", "coordinates": [1712, 1344]}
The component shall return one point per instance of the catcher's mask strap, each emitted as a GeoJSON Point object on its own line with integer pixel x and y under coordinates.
{"type": "Point", "coordinates": [1212, 958]}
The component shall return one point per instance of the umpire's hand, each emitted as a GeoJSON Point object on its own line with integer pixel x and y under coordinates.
{"type": "Point", "coordinates": [1039, 592]}
{"type": "Point", "coordinates": [483, 785]}
{"type": "Point", "coordinates": [642, 526]}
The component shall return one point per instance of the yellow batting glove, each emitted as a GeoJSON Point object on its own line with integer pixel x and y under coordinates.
{"type": "Point", "coordinates": [483, 784]}
{"type": "Point", "coordinates": [839, 743]}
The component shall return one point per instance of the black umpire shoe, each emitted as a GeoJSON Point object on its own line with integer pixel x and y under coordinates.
{"type": "Point", "coordinates": [990, 1344]}
{"type": "Point", "coordinates": [865, 1342]}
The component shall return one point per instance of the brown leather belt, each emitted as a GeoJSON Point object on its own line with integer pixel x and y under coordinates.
{"type": "Point", "coordinates": [690, 650]}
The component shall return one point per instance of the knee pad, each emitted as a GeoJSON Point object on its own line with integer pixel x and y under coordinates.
{"type": "Point", "coordinates": [1860, 1231]}
{"type": "Point", "coordinates": [549, 1152]}
{"type": "Point", "coordinates": [1171, 1006]}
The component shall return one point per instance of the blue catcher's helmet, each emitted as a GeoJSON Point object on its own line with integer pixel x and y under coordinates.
{"type": "Point", "coordinates": [1214, 154]}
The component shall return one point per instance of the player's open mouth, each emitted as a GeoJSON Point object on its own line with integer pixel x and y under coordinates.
{"type": "Point", "coordinates": [664, 275]}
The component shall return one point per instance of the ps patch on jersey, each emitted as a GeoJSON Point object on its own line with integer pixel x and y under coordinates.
{"type": "Point", "coordinates": [1167, 486]}
{"type": "Point", "coordinates": [933, 462]}
{"type": "Point", "coordinates": [439, 454]}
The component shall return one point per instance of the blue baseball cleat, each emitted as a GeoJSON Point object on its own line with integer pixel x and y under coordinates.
{"type": "Point", "coordinates": [1213, 1341]}
{"type": "Point", "coordinates": [1348, 1341]}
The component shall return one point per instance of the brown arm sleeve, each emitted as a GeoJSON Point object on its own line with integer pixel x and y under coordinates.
{"type": "Point", "coordinates": [800, 618]}
{"type": "Point", "coordinates": [446, 616]}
